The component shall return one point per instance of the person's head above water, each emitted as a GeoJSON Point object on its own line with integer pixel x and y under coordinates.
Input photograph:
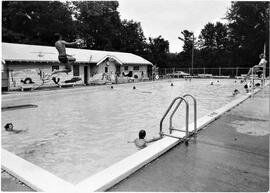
{"type": "Point", "coordinates": [9, 127]}
{"type": "Point", "coordinates": [142, 134]}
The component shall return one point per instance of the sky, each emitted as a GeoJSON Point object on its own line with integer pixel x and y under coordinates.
{"type": "Point", "coordinates": [169, 17]}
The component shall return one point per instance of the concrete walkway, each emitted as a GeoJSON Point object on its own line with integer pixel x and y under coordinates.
{"type": "Point", "coordinates": [229, 155]}
{"type": "Point", "coordinates": [10, 183]}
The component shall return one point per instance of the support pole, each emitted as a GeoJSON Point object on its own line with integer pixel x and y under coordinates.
{"type": "Point", "coordinates": [192, 55]}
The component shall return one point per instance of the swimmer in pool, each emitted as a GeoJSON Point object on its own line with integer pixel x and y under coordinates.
{"type": "Point", "coordinates": [247, 87]}
{"type": "Point", "coordinates": [235, 92]}
{"type": "Point", "coordinates": [10, 128]}
{"type": "Point", "coordinates": [141, 142]}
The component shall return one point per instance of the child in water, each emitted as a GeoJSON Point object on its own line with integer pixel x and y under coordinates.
{"type": "Point", "coordinates": [141, 142]}
{"type": "Point", "coordinates": [10, 128]}
{"type": "Point", "coordinates": [247, 87]}
{"type": "Point", "coordinates": [235, 92]}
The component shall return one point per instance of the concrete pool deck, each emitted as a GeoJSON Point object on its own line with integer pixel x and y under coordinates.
{"type": "Point", "coordinates": [10, 183]}
{"type": "Point", "coordinates": [230, 155]}
{"type": "Point", "coordinates": [96, 179]}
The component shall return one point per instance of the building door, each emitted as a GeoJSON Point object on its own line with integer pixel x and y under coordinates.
{"type": "Point", "coordinates": [86, 75]}
{"type": "Point", "coordinates": [149, 72]}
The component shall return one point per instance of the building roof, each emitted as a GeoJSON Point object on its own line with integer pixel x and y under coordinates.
{"type": "Point", "coordinates": [34, 53]}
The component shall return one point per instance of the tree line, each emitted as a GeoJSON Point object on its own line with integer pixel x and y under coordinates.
{"type": "Point", "coordinates": [237, 43]}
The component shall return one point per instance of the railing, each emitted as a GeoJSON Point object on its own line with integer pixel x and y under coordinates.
{"type": "Point", "coordinates": [215, 71]}
{"type": "Point", "coordinates": [263, 76]}
{"type": "Point", "coordinates": [195, 114]}
{"type": "Point", "coordinates": [181, 99]}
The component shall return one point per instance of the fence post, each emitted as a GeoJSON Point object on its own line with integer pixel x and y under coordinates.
{"type": "Point", "coordinates": [8, 81]}
{"type": "Point", "coordinates": [263, 75]}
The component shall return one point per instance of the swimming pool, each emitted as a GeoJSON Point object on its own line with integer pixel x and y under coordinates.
{"type": "Point", "coordinates": [76, 133]}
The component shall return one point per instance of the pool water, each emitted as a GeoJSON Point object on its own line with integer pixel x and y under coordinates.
{"type": "Point", "coordinates": [75, 133]}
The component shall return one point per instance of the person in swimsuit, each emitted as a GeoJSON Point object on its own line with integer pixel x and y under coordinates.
{"type": "Point", "coordinates": [235, 92]}
{"type": "Point", "coordinates": [10, 128]}
{"type": "Point", "coordinates": [141, 142]}
{"type": "Point", "coordinates": [63, 57]}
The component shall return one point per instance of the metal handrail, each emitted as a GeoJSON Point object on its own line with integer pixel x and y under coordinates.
{"type": "Point", "coordinates": [195, 113]}
{"type": "Point", "coordinates": [169, 108]}
{"type": "Point", "coordinates": [252, 72]}
{"type": "Point", "coordinates": [175, 109]}
{"type": "Point", "coordinates": [262, 78]}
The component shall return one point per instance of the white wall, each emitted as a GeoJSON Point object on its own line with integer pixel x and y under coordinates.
{"type": "Point", "coordinates": [111, 67]}
{"type": "Point", "coordinates": [142, 68]}
{"type": "Point", "coordinates": [20, 71]}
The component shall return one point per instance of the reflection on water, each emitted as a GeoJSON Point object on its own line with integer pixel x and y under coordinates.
{"type": "Point", "coordinates": [77, 133]}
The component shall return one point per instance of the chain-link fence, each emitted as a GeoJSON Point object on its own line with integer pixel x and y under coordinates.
{"type": "Point", "coordinates": [232, 72]}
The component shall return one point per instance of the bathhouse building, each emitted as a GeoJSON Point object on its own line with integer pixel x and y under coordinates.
{"type": "Point", "coordinates": [30, 64]}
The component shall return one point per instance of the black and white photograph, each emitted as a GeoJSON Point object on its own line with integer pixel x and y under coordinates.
{"type": "Point", "coordinates": [135, 96]}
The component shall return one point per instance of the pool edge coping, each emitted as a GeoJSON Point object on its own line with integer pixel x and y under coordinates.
{"type": "Point", "coordinates": [32, 175]}
{"type": "Point", "coordinates": [115, 173]}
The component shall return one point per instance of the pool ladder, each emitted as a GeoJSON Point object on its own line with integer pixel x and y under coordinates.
{"type": "Point", "coordinates": [180, 99]}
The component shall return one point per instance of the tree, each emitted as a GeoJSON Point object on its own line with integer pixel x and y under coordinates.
{"type": "Point", "coordinates": [158, 49]}
{"type": "Point", "coordinates": [98, 22]}
{"type": "Point", "coordinates": [213, 36]}
{"type": "Point", "coordinates": [221, 36]}
{"type": "Point", "coordinates": [248, 30]}
{"type": "Point", "coordinates": [36, 22]}
{"type": "Point", "coordinates": [213, 42]}
{"type": "Point", "coordinates": [207, 37]}
{"type": "Point", "coordinates": [132, 38]}
{"type": "Point", "coordinates": [188, 47]}
{"type": "Point", "coordinates": [188, 40]}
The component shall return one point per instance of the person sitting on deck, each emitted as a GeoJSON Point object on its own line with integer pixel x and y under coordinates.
{"type": "Point", "coordinates": [63, 57]}
{"type": "Point", "coordinates": [141, 142]}
{"type": "Point", "coordinates": [257, 68]}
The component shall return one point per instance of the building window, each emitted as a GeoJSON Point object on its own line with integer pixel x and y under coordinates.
{"type": "Point", "coordinates": [136, 68]}
{"type": "Point", "coordinates": [106, 69]}
{"type": "Point", "coordinates": [55, 68]}
{"type": "Point", "coordinates": [125, 67]}
{"type": "Point", "coordinates": [76, 70]}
